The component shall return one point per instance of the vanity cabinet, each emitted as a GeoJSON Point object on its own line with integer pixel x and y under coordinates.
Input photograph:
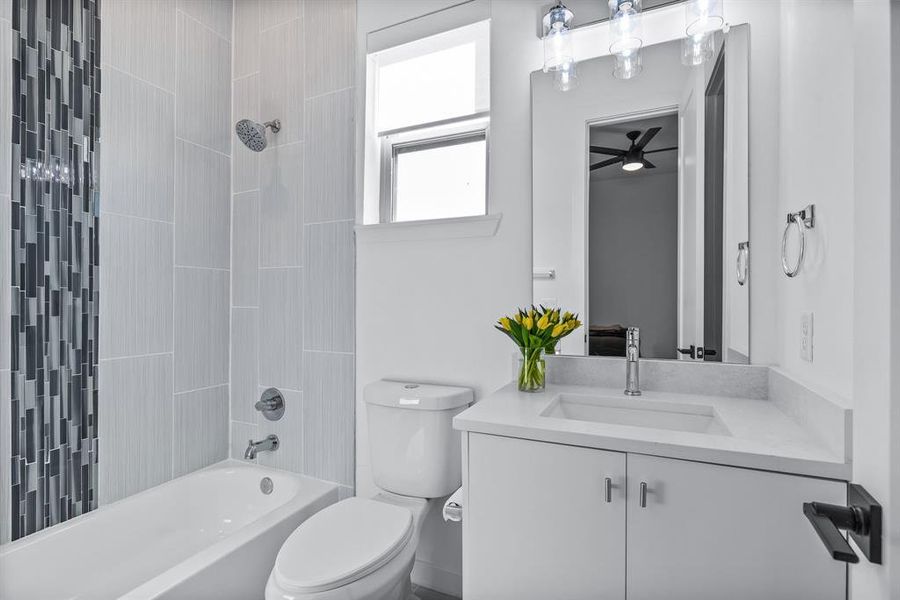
{"type": "Point", "coordinates": [542, 522]}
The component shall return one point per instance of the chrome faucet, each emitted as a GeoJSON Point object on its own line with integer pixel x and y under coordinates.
{"type": "Point", "coordinates": [269, 444]}
{"type": "Point", "coordinates": [632, 356]}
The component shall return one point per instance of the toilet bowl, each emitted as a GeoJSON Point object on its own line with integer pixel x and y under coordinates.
{"type": "Point", "coordinates": [359, 548]}
{"type": "Point", "coordinates": [364, 548]}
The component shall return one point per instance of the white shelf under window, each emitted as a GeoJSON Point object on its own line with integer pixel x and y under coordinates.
{"type": "Point", "coordinates": [437, 229]}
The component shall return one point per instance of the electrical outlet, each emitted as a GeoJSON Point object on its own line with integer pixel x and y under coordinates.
{"type": "Point", "coordinates": [806, 336]}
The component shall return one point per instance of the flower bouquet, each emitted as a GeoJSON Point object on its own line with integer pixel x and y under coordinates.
{"type": "Point", "coordinates": [535, 332]}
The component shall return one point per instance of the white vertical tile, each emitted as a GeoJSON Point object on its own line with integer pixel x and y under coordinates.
{"type": "Point", "coordinates": [201, 429]}
{"type": "Point", "coordinates": [5, 281]}
{"type": "Point", "coordinates": [275, 12]}
{"type": "Point", "coordinates": [281, 207]}
{"type": "Point", "coordinates": [135, 425]}
{"type": "Point", "coordinates": [330, 52]}
{"type": "Point", "coordinates": [5, 105]}
{"type": "Point", "coordinates": [328, 416]}
{"type": "Point", "coordinates": [139, 38]}
{"type": "Point", "coordinates": [201, 328]}
{"type": "Point", "coordinates": [328, 287]}
{"type": "Point", "coordinates": [245, 250]}
{"type": "Point", "coordinates": [280, 327]}
{"type": "Point", "coordinates": [244, 350]}
{"type": "Point", "coordinates": [135, 286]}
{"type": "Point", "coordinates": [202, 207]}
{"type": "Point", "coordinates": [241, 433]}
{"type": "Point", "coordinates": [245, 165]}
{"type": "Point", "coordinates": [5, 424]}
{"type": "Point", "coordinates": [281, 80]}
{"type": "Point", "coordinates": [137, 161]}
{"type": "Point", "coordinates": [203, 97]}
{"type": "Point", "coordinates": [328, 185]}
{"type": "Point", "coordinates": [289, 430]}
{"type": "Point", "coordinates": [246, 38]}
{"type": "Point", "coordinates": [215, 14]}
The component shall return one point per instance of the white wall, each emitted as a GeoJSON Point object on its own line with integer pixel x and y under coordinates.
{"type": "Point", "coordinates": [425, 309]}
{"type": "Point", "coordinates": [6, 53]}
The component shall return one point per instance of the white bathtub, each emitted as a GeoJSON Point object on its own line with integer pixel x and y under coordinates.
{"type": "Point", "coordinates": [210, 534]}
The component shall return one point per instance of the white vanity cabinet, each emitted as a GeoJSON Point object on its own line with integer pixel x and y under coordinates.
{"type": "Point", "coordinates": [540, 522]}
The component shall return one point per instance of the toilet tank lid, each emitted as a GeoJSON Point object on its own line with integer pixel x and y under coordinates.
{"type": "Point", "coordinates": [417, 396]}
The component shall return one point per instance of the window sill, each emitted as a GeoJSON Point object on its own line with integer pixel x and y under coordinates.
{"type": "Point", "coordinates": [437, 229]}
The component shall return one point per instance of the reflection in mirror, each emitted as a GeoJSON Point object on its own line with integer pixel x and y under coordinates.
{"type": "Point", "coordinates": [641, 203]}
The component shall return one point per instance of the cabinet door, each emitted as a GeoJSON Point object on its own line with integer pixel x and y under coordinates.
{"type": "Point", "coordinates": [537, 524]}
{"type": "Point", "coordinates": [713, 532]}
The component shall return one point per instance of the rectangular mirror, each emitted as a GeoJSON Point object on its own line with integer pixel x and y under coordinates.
{"type": "Point", "coordinates": [641, 215]}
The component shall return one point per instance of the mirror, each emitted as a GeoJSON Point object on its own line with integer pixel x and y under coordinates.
{"type": "Point", "coordinates": [641, 215]}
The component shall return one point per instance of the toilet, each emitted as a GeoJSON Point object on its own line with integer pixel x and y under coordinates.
{"type": "Point", "coordinates": [364, 548]}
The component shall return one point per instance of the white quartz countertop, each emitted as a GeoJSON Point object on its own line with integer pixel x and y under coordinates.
{"type": "Point", "coordinates": [761, 435]}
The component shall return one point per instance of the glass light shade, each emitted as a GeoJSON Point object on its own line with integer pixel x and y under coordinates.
{"type": "Point", "coordinates": [558, 51]}
{"type": "Point", "coordinates": [632, 166]}
{"type": "Point", "coordinates": [566, 79]}
{"type": "Point", "coordinates": [697, 49]}
{"type": "Point", "coordinates": [703, 16]}
{"type": "Point", "coordinates": [628, 65]}
{"type": "Point", "coordinates": [625, 26]}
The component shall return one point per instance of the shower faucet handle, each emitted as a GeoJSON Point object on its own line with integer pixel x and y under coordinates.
{"type": "Point", "coordinates": [271, 404]}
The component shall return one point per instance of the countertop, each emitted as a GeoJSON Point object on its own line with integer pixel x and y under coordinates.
{"type": "Point", "coordinates": [761, 435]}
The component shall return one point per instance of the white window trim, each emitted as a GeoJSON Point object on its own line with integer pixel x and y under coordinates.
{"type": "Point", "coordinates": [429, 135]}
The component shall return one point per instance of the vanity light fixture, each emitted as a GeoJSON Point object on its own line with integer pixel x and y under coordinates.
{"type": "Point", "coordinates": [702, 19]}
{"type": "Point", "coordinates": [625, 42]}
{"type": "Point", "coordinates": [559, 57]}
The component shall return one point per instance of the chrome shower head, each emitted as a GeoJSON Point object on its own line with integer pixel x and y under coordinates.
{"type": "Point", "coordinates": [253, 134]}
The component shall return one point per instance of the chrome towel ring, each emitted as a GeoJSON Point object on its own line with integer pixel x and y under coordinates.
{"type": "Point", "coordinates": [804, 219]}
{"type": "Point", "coordinates": [743, 260]}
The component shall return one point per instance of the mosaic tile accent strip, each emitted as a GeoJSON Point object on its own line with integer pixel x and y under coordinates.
{"type": "Point", "coordinates": [55, 255]}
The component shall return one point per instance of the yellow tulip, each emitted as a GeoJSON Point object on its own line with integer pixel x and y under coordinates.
{"type": "Point", "coordinates": [567, 316]}
{"type": "Point", "coordinates": [543, 323]}
{"type": "Point", "coordinates": [518, 318]}
{"type": "Point", "coordinates": [527, 322]}
{"type": "Point", "coordinates": [557, 330]}
{"type": "Point", "coordinates": [504, 322]}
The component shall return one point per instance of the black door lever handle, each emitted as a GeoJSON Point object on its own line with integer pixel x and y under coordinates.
{"type": "Point", "coordinates": [822, 516]}
{"type": "Point", "coordinates": [861, 518]}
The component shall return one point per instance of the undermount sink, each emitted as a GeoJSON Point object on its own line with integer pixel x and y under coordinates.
{"type": "Point", "coordinates": [695, 418]}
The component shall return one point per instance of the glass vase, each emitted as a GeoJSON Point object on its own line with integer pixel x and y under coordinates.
{"type": "Point", "coordinates": [532, 370]}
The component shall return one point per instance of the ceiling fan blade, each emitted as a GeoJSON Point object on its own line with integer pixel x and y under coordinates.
{"type": "Point", "coordinates": [648, 164]}
{"type": "Point", "coordinates": [648, 135]}
{"type": "Point", "coordinates": [605, 150]}
{"type": "Point", "coordinates": [660, 150]}
{"type": "Point", "coordinates": [606, 163]}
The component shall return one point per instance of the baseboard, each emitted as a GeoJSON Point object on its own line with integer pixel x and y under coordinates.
{"type": "Point", "coordinates": [434, 578]}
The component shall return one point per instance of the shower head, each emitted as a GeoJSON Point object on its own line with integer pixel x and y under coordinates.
{"type": "Point", "coordinates": [253, 134]}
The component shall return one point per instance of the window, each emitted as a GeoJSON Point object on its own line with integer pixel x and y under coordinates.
{"type": "Point", "coordinates": [430, 124]}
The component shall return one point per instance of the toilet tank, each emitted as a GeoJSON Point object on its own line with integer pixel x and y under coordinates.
{"type": "Point", "coordinates": [414, 449]}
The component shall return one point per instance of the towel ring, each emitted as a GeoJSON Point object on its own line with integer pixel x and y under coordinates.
{"type": "Point", "coordinates": [804, 219]}
{"type": "Point", "coordinates": [743, 258]}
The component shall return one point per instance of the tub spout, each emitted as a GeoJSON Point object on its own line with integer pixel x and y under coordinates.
{"type": "Point", "coordinates": [269, 444]}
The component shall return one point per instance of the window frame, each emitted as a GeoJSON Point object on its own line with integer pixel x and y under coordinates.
{"type": "Point", "coordinates": [440, 134]}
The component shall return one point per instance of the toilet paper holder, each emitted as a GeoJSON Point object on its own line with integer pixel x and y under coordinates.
{"type": "Point", "coordinates": [453, 509]}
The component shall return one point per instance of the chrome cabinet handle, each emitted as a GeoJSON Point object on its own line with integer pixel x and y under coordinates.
{"type": "Point", "coordinates": [642, 499]}
{"type": "Point", "coordinates": [607, 489]}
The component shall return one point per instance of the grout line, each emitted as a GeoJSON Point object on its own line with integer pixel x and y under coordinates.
{"type": "Point", "coordinates": [282, 24]}
{"type": "Point", "coordinates": [187, 141]}
{"type": "Point", "coordinates": [337, 91]}
{"type": "Point", "coordinates": [278, 268]}
{"type": "Point", "coordinates": [330, 222]}
{"type": "Point", "coordinates": [136, 78]}
{"type": "Point", "coordinates": [134, 356]}
{"type": "Point", "coordinates": [236, 79]}
{"type": "Point", "coordinates": [253, 191]}
{"type": "Point", "coordinates": [124, 216]}
{"type": "Point", "coordinates": [221, 269]}
{"type": "Point", "coordinates": [174, 165]}
{"type": "Point", "coordinates": [203, 389]}
{"type": "Point", "coordinates": [238, 306]}
{"type": "Point", "coordinates": [339, 352]}
{"type": "Point", "coordinates": [279, 388]}
{"type": "Point", "coordinates": [207, 27]}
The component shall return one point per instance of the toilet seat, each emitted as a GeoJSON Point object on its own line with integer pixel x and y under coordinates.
{"type": "Point", "coordinates": [342, 544]}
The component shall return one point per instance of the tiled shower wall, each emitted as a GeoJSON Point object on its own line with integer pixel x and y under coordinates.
{"type": "Point", "coordinates": [165, 239]}
{"type": "Point", "coordinates": [51, 235]}
{"type": "Point", "coordinates": [293, 248]}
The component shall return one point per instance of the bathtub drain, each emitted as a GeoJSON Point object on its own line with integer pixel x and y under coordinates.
{"type": "Point", "coordinates": [266, 486]}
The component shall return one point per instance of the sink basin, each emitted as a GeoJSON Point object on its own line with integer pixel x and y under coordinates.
{"type": "Point", "coordinates": [695, 418]}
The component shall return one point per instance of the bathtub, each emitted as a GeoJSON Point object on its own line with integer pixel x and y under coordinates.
{"type": "Point", "coordinates": [209, 534]}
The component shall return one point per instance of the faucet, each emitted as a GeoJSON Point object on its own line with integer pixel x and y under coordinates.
{"type": "Point", "coordinates": [269, 444]}
{"type": "Point", "coordinates": [632, 355]}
